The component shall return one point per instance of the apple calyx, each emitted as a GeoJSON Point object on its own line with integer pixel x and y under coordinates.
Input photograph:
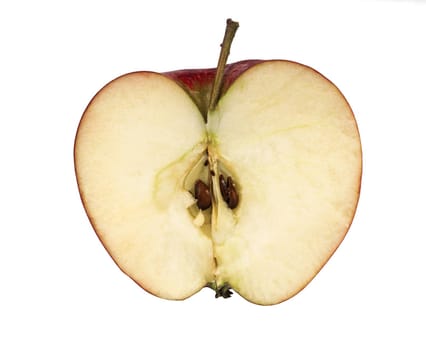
{"type": "Point", "coordinates": [222, 291]}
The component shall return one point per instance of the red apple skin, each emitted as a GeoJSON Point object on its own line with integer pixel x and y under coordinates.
{"type": "Point", "coordinates": [193, 79]}
{"type": "Point", "coordinates": [198, 83]}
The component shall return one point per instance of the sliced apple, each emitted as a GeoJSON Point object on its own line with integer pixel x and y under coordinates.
{"type": "Point", "coordinates": [136, 142]}
{"type": "Point", "coordinates": [290, 140]}
{"type": "Point", "coordinates": [253, 193]}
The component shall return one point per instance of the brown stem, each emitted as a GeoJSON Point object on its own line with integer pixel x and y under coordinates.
{"type": "Point", "coordinates": [231, 28]}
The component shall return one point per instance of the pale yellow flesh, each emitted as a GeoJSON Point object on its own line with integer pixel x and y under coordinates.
{"type": "Point", "coordinates": [288, 137]}
{"type": "Point", "coordinates": [293, 143]}
{"type": "Point", "coordinates": [136, 141]}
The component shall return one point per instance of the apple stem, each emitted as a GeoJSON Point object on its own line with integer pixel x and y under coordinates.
{"type": "Point", "coordinates": [231, 28]}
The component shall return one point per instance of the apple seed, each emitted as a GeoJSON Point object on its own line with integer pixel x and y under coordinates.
{"type": "Point", "coordinates": [202, 195]}
{"type": "Point", "coordinates": [223, 188]}
{"type": "Point", "coordinates": [232, 193]}
{"type": "Point", "coordinates": [228, 191]}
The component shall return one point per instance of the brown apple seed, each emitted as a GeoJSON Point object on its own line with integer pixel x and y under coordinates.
{"type": "Point", "coordinates": [223, 188]}
{"type": "Point", "coordinates": [228, 191]}
{"type": "Point", "coordinates": [232, 193]}
{"type": "Point", "coordinates": [202, 195]}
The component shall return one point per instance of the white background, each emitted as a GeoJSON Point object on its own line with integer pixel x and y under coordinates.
{"type": "Point", "coordinates": [59, 289]}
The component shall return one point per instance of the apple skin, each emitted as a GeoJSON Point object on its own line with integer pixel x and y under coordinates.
{"type": "Point", "coordinates": [198, 83]}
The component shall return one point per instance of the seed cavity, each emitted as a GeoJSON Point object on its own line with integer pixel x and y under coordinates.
{"type": "Point", "coordinates": [228, 191]}
{"type": "Point", "coordinates": [202, 195]}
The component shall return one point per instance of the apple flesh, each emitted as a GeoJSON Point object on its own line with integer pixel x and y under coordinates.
{"type": "Point", "coordinates": [283, 134]}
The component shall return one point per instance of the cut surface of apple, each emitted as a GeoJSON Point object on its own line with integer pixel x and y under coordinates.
{"type": "Point", "coordinates": [284, 138]}
{"type": "Point", "coordinates": [291, 140]}
{"type": "Point", "coordinates": [137, 140]}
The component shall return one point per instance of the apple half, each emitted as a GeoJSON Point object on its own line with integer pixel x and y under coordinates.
{"type": "Point", "coordinates": [254, 194]}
